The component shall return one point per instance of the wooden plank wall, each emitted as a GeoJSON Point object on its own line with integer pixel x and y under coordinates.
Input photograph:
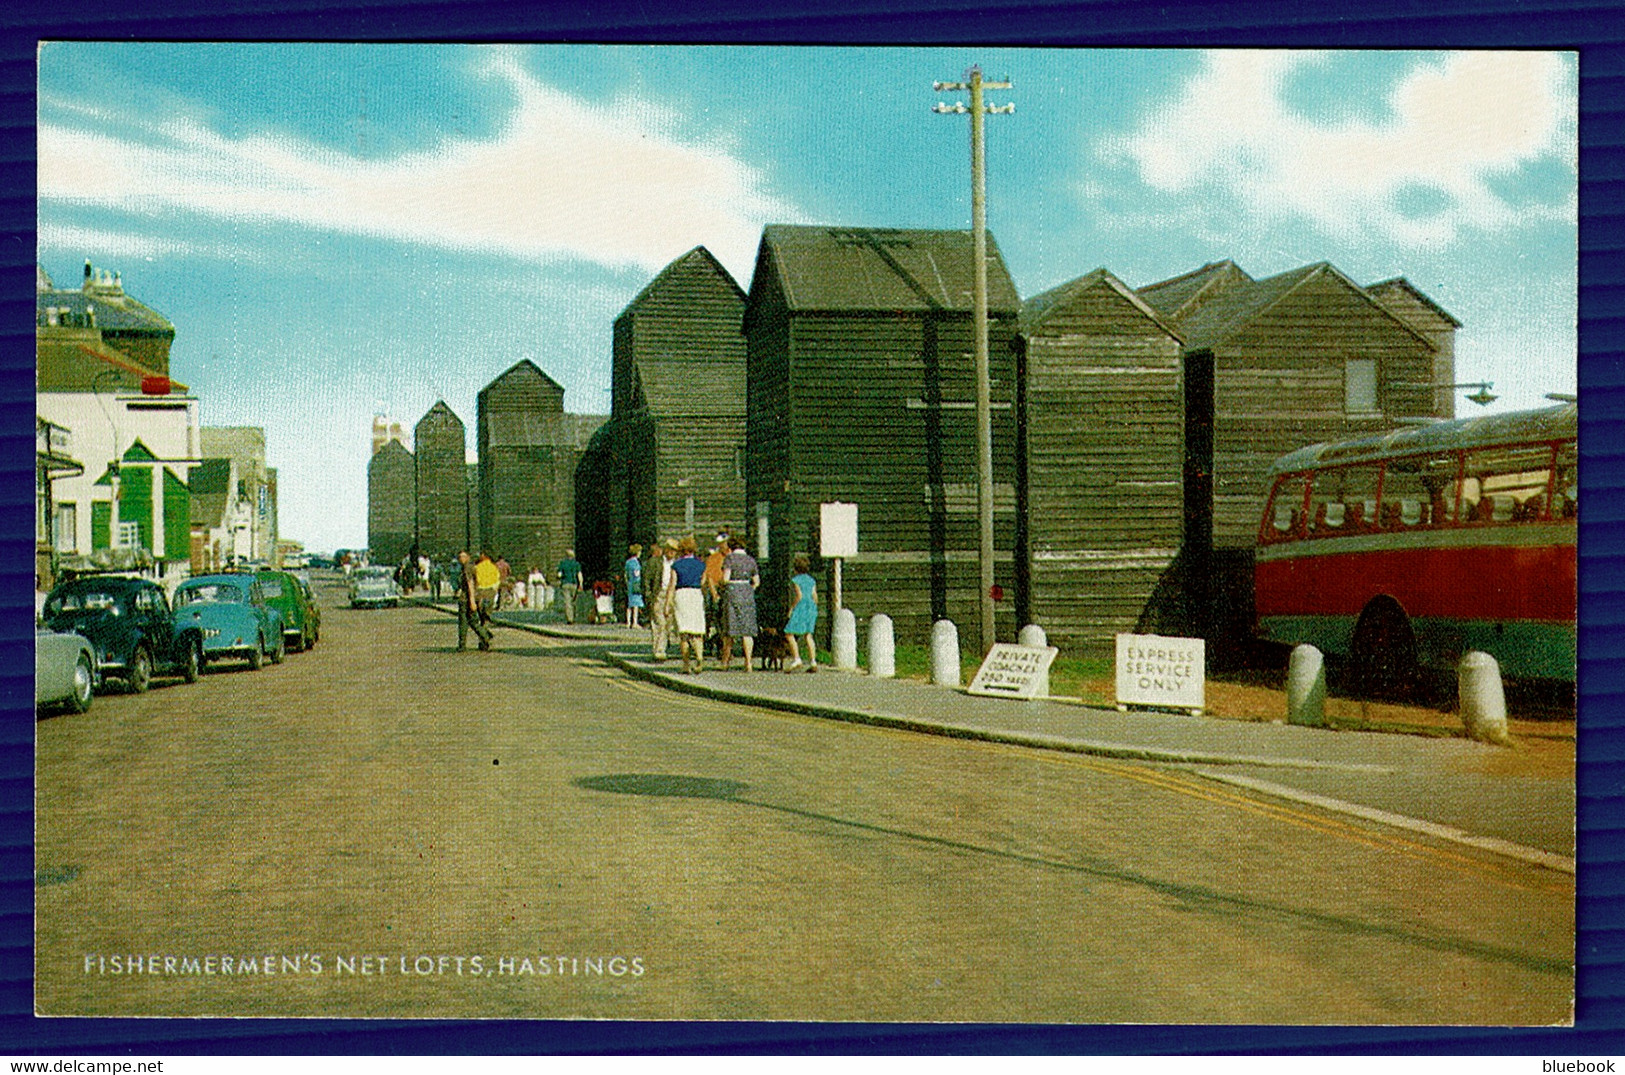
{"type": "Point", "coordinates": [442, 477]}
{"type": "Point", "coordinates": [1104, 456]}
{"type": "Point", "coordinates": [879, 411]}
{"type": "Point", "coordinates": [1279, 386]}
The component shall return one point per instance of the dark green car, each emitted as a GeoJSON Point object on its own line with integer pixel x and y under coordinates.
{"type": "Point", "coordinates": [301, 619]}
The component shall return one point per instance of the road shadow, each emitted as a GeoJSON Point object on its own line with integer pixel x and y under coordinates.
{"type": "Point", "coordinates": [1191, 898]}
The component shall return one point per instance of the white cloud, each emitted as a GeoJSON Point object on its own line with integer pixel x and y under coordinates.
{"type": "Point", "coordinates": [1456, 124]}
{"type": "Point", "coordinates": [562, 179]}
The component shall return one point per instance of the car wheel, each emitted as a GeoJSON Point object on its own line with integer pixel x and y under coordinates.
{"type": "Point", "coordinates": [298, 643]}
{"type": "Point", "coordinates": [191, 661]}
{"type": "Point", "coordinates": [84, 679]}
{"type": "Point", "coordinates": [280, 651]}
{"type": "Point", "coordinates": [256, 655]}
{"type": "Point", "coordinates": [139, 677]}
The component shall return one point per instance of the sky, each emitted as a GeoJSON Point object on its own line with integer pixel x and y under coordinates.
{"type": "Point", "coordinates": [343, 230]}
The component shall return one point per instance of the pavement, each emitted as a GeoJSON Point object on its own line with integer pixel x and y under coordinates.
{"type": "Point", "coordinates": [1492, 798]}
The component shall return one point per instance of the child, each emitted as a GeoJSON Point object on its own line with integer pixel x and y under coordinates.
{"type": "Point", "coordinates": [803, 616]}
{"type": "Point", "coordinates": [603, 592]}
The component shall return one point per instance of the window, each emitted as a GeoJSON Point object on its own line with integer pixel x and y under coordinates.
{"type": "Point", "coordinates": [1507, 484]}
{"type": "Point", "coordinates": [1360, 386]}
{"type": "Point", "coordinates": [129, 535]}
{"type": "Point", "coordinates": [1283, 521]}
{"type": "Point", "coordinates": [1343, 500]}
{"type": "Point", "coordinates": [1419, 491]}
{"type": "Point", "coordinates": [67, 528]}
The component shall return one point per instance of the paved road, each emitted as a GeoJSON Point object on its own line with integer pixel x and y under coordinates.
{"type": "Point", "coordinates": [385, 827]}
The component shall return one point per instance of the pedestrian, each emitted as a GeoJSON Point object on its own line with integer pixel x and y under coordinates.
{"type": "Point", "coordinates": [487, 583]}
{"type": "Point", "coordinates": [803, 614]}
{"type": "Point", "coordinates": [505, 594]}
{"type": "Point", "coordinates": [536, 586]}
{"type": "Point", "coordinates": [424, 566]}
{"type": "Point", "coordinates": [658, 576]}
{"type": "Point", "coordinates": [740, 577]}
{"type": "Point", "coordinates": [688, 604]}
{"type": "Point", "coordinates": [519, 596]}
{"type": "Point", "coordinates": [569, 574]}
{"type": "Point", "coordinates": [468, 605]}
{"type": "Point", "coordinates": [634, 585]}
{"type": "Point", "coordinates": [712, 588]}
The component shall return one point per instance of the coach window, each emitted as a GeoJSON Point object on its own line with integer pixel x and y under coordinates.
{"type": "Point", "coordinates": [1283, 519]}
{"type": "Point", "coordinates": [1343, 500]}
{"type": "Point", "coordinates": [1507, 484]}
{"type": "Point", "coordinates": [1419, 490]}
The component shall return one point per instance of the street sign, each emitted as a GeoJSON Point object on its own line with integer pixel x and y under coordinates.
{"type": "Point", "coordinates": [1162, 672]}
{"type": "Point", "coordinates": [837, 530]}
{"type": "Point", "coordinates": [1012, 671]}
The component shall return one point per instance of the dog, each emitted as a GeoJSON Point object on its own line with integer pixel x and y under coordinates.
{"type": "Point", "coordinates": [772, 648]}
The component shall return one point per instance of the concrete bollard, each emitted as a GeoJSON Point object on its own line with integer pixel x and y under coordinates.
{"type": "Point", "coordinates": [843, 640]}
{"type": "Point", "coordinates": [1306, 687]}
{"type": "Point", "coordinates": [1483, 702]}
{"type": "Point", "coordinates": [882, 647]}
{"type": "Point", "coordinates": [945, 654]}
{"type": "Point", "coordinates": [1033, 635]}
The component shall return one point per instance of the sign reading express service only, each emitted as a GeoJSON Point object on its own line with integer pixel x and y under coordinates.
{"type": "Point", "coordinates": [1166, 673]}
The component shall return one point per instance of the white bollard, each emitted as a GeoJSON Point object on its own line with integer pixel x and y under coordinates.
{"type": "Point", "coordinates": [1483, 702]}
{"type": "Point", "coordinates": [945, 654]}
{"type": "Point", "coordinates": [1033, 635]}
{"type": "Point", "coordinates": [1306, 687]}
{"type": "Point", "coordinates": [843, 640]}
{"type": "Point", "coordinates": [882, 648]}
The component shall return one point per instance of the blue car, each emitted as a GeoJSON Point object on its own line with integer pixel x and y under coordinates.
{"type": "Point", "coordinates": [230, 614]}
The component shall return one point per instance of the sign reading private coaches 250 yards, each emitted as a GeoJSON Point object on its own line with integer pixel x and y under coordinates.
{"type": "Point", "coordinates": [1012, 671]}
{"type": "Point", "coordinates": [1154, 670]}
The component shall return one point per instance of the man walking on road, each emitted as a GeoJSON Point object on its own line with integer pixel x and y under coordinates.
{"type": "Point", "coordinates": [486, 580]}
{"type": "Point", "coordinates": [569, 584]}
{"type": "Point", "coordinates": [468, 607]}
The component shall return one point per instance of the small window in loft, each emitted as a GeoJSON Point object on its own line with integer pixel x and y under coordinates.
{"type": "Point", "coordinates": [1360, 386]}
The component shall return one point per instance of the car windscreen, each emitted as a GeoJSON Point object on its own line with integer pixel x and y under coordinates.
{"type": "Point", "coordinates": [80, 601]}
{"type": "Point", "coordinates": [212, 593]}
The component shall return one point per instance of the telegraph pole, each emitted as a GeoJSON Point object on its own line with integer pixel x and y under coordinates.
{"type": "Point", "coordinates": [984, 395]}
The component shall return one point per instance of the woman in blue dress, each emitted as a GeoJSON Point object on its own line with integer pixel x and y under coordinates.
{"type": "Point", "coordinates": [803, 616]}
{"type": "Point", "coordinates": [634, 584]}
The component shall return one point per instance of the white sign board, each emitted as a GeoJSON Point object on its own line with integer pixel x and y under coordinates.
{"type": "Point", "coordinates": [1012, 671]}
{"type": "Point", "coordinates": [1155, 670]}
{"type": "Point", "coordinates": [837, 530]}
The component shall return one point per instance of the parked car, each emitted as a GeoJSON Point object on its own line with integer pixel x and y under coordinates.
{"type": "Point", "coordinates": [301, 623]}
{"type": "Point", "coordinates": [232, 616]}
{"type": "Point", "coordinates": [64, 669]}
{"type": "Point", "coordinates": [128, 621]}
{"type": "Point", "coordinates": [372, 587]}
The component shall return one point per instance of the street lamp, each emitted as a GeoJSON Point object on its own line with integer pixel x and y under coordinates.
{"type": "Point", "coordinates": [1483, 397]}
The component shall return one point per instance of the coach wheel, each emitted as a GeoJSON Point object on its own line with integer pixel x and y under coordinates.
{"type": "Point", "coordinates": [1382, 657]}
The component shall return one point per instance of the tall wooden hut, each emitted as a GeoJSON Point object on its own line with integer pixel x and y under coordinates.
{"type": "Point", "coordinates": [442, 481]}
{"type": "Point", "coordinates": [1270, 366]}
{"type": "Point", "coordinates": [677, 462]}
{"type": "Point", "coordinates": [861, 386]}
{"type": "Point", "coordinates": [391, 502]}
{"type": "Point", "coordinates": [1104, 453]}
{"type": "Point", "coordinates": [527, 490]}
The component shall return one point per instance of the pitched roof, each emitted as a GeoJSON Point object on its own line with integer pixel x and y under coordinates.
{"type": "Point", "coordinates": [526, 369]}
{"type": "Point", "coordinates": [1211, 323]}
{"type": "Point", "coordinates": [698, 258]}
{"type": "Point", "coordinates": [1399, 283]}
{"type": "Point", "coordinates": [882, 269]}
{"type": "Point", "coordinates": [1177, 296]}
{"type": "Point", "coordinates": [1037, 308]}
{"type": "Point", "coordinates": [114, 312]}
